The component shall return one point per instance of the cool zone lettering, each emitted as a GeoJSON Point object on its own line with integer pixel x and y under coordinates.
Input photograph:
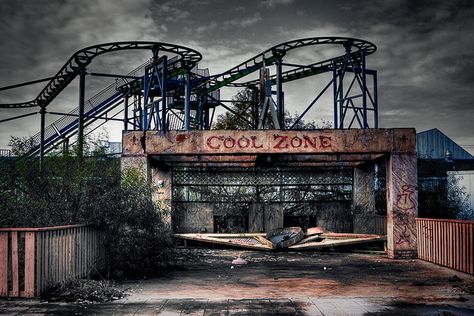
{"type": "Point", "coordinates": [279, 142]}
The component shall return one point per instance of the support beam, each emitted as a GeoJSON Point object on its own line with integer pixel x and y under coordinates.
{"type": "Point", "coordinates": [334, 85]}
{"type": "Point", "coordinates": [164, 88]}
{"type": "Point", "coordinates": [80, 128]}
{"type": "Point", "coordinates": [279, 94]}
{"type": "Point", "coordinates": [187, 101]}
{"type": "Point", "coordinates": [402, 205]}
{"type": "Point", "coordinates": [364, 91]}
{"type": "Point", "coordinates": [125, 114]}
{"type": "Point", "coordinates": [376, 105]}
{"type": "Point", "coordinates": [42, 127]}
{"type": "Point", "coordinates": [146, 91]}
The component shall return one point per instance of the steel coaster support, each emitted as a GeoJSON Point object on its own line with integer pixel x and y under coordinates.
{"type": "Point", "coordinates": [125, 114]}
{"type": "Point", "coordinates": [279, 92]}
{"type": "Point", "coordinates": [80, 130]}
{"type": "Point", "coordinates": [187, 101]}
{"type": "Point", "coordinates": [42, 128]}
{"type": "Point", "coordinates": [376, 105]}
{"type": "Point", "coordinates": [364, 90]}
{"type": "Point", "coordinates": [164, 87]}
{"type": "Point", "coordinates": [269, 103]}
{"type": "Point", "coordinates": [334, 85]}
{"type": "Point", "coordinates": [146, 91]}
{"type": "Point", "coordinates": [340, 96]}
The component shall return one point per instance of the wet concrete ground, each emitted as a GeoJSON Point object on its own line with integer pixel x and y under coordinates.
{"type": "Point", "coordinates": [206, 283]}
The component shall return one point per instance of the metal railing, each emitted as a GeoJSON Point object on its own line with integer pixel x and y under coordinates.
{"type": "Point", "coordinates": [446, 242]}
{"type": "Point", "coordinates": [5, 153]}
{"type": "Point", "coordinates": [35, 259]}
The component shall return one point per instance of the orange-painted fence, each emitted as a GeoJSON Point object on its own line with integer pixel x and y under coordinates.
{"type": "Point", "coordinates": [34, 259]}
{"type": "Point", "coordinates": [446, 242]}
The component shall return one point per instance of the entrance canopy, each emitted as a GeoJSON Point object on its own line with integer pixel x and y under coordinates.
{"type": "Point", "coordinates": [160, 152]}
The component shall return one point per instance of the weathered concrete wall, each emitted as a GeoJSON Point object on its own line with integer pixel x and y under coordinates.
{"type": "Point", "coordinates": [402, 205]}
{"type": "Point", "coordinates": [194, 218]}
{"type": "Point", "coordinates": [363, 198]}
{"type": "Point", "coordinates": [332, 215]}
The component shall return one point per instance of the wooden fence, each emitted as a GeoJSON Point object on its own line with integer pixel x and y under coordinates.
{"type": "Point", "coordinates": [446, 242]}
{"type": "Point", "coordinates": [33, 259]}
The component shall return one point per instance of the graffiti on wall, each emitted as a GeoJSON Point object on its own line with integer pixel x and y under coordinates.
{"type": "Point", "coordinates": [405, 204]}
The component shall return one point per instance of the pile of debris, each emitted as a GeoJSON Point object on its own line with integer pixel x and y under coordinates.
{"type": "Point", "coordinates": [291, 238]}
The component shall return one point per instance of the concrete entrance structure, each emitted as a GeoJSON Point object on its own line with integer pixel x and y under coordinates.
{"type": "Point", "coordinates": [157, 151]}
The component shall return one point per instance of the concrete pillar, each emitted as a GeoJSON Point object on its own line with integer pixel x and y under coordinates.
{"type": "Point", "coordinates": [363, 199]}
{"type": "Point", "coordinates": [256, 218]}
{"type": "Point", "coordinates": [161, 180]}
{"type": "Point", "coordinates": [402, 205]}
{"type": "Point", "coordinates": [272, 216]}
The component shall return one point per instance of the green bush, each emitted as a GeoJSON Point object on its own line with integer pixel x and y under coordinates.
{"type": "Point", "coordinates": [94, 191]}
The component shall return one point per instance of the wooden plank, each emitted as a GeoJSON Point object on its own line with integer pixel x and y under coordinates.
{"type": "Point", "coordinates": [30, 264]}
{"type": "Point", "coordinates": [3, 263]}
{"type": "Point", "coordinates": [14, 256]}
{"type": "Point", "coordinates": [335, 242]}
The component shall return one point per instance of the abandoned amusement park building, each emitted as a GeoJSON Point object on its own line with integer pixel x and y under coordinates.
{"type": "Point", "coordinates": [270, 174]}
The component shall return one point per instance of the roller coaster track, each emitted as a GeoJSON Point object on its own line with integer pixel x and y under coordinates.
{"type": "Point", "coordinates": [83, 57]}
{"type": "Point", "coordinates": [270, 57]}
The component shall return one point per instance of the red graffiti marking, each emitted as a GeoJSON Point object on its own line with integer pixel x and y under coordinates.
{"type": "Point", "coordinates": [405, 200]}
{"type": "Point", "coordinates": [404, 203]}
{"type": "Point", "coordinates": [181, 138]}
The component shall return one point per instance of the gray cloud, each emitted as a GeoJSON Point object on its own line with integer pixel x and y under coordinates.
{"type": "Point", "coordinates": [424, 59]}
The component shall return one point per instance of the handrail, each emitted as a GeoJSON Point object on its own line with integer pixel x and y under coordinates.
{"type": "Point", "coordinates": [40, 229]}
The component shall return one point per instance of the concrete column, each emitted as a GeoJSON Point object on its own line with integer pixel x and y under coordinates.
{"type": "Point", "coordinates": [363, 199]}
{"type": "Point", "coordinates": [161, 180]}
{"type": "Point", "coordinates": [256, 218]}
{"type": "Point", "coordinates": [272, 216]}
{"type": "Point", "coordinates": [402, 205]}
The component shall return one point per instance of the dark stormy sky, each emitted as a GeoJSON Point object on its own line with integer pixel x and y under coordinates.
{"type": "Point", "coordinates": [425, 56]}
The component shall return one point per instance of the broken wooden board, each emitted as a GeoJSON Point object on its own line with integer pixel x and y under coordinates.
{"type": "Point", "coordinates": [257, 241]}
{"type": "Point", "coordinates": [328, 242]}
{"type": "Point", "coordinates": [248, 241]}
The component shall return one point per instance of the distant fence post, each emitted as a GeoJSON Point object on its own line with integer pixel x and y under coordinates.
{"type": "Point", "coordinates": [447, 242]}
{"type": "Point", "coordinates": [33, 259]}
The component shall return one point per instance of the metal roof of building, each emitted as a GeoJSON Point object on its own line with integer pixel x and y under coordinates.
{"type": "Point", "coordinates": [433, 144]}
